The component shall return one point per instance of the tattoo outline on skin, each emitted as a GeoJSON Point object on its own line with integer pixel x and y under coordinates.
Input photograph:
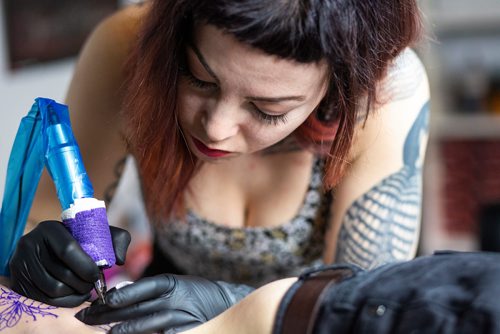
{"type": "Point", "coordinates": [13, 306]}
{"type": "Point", "coordinates": [109, 192]}
{"type": "Point", "coordinates": [383, 224]}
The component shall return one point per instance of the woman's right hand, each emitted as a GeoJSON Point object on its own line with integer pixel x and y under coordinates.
{"type": "Point", "coordinates": [49, 265]}
{"type": "Point", "coordinates": [164, 302]}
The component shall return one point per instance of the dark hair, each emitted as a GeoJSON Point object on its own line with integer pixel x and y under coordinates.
{"type": "Point", "coordinates": [357, 38]}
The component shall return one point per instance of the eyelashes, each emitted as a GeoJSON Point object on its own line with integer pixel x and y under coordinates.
{"type": "Point", "coordinates": [206, 85]}
{"type": "Point", "coordinates": [194, 81]}
{"type": "Point", "coordinates": [270, 119]}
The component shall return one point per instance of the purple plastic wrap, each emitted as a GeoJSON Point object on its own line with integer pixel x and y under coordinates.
{"type": "Point", "coordinates": [90, 228]}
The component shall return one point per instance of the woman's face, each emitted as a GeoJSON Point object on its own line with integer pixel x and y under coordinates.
{"type": "Point", "coordinates": [236, 100]}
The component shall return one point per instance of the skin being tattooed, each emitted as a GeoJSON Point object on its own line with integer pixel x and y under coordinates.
{"type": "Point", "coordinates": [14, 307]}
{"type": "Point", "coordinates": [19, 314]}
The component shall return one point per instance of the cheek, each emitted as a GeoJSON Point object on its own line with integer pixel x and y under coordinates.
{"type": "Point", "coordinates": [189, 106]}
{"type": "Point", "coordinates": [264, 136]}
{"type": "Point", "coordinates": [262, 139]}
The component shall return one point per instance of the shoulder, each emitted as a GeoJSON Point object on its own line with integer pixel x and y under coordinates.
{"type": "Point", "coordinates": [99, 71]}
{"type": "Point", "coordinates": [117, 32]}
{"type": "Point", "coordinates": [401, 96]}
{"type": "Point", "coordinates": [126, 21]}
{"type": "Point", "coordinates": [404, 76]}
{"type": "Point", "coordinates": [110, 41]}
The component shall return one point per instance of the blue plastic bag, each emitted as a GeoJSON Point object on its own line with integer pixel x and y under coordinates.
{"type": "Point", "coordinates": [44, 132]}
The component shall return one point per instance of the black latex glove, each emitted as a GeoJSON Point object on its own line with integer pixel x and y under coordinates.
{"type": "Point", "coordinates": [49, 265]}
{"type": "Point", "coordinates": [173, 302]}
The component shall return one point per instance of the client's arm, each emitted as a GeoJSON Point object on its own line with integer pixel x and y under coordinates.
{"type": "Point", "coordinates": [254, 314]}
{"type": "Point", "coordinates": [19, 314]}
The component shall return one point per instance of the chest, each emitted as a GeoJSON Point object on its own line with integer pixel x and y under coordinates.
{"type": "Point", "coordinates": [257, 191]}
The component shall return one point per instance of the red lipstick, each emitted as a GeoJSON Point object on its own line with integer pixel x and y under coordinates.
{"type": "Point", "coordinates": [208, 151]}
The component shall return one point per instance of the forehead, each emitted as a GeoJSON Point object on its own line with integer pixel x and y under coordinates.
{"type": "Point", "coordinates": [226, 55]}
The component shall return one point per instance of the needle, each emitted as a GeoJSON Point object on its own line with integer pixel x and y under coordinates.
{"type": "Point", "coordinates": [100, 286]}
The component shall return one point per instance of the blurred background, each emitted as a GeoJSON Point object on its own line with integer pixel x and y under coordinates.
{"type": "Point", "coordinates": [462, 173]}
{"type": "Point", "coordinates": [39, 42]}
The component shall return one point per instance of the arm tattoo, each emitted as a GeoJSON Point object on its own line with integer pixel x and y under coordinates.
{"type": "Point", "coordinates": [383, 225]}
{"type": "Point", "coordinates": [13, 307]}
{"type": "Point", "coordinates": [110, 191]}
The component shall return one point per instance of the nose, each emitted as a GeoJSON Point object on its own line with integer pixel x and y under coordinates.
{"type": "Point", "coordinates": [220, 122]}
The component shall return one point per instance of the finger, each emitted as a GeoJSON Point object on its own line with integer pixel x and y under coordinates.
{"type": "Point", "coordinates": [103, 314]}
{"type": "Point", "coordinates": [63, 274]}
{"type": "Point", "coordinates": [98, 301]}
{"type": "Point", "coordinates": [184, 327]}
{"type": "Point", "coordinates": [37, 280]}
{"type": "Point", "coordinates": [67, 249]}
{"type": "Point", "coordinates": [153, 323]}
{"type": "Point", "coordinates": [121, 240]}
{"type": "Point", "coordinates": [69, 301]}
{"type": "Point", "coordinates": [175, 321]}
{"type": "Point", "coordinates": [144, 289]}
{"type": "Point", "coordinates": [35, 294]}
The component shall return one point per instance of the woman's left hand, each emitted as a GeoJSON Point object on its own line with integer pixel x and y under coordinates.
{"type": "Point", "coordinates": [173, 302]}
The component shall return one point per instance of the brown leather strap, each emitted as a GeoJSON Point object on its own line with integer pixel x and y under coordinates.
{"type": "Point", "coordinates": [300, 315]}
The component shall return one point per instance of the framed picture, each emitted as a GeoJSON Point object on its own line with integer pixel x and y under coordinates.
{"type": "Point", "coordinates": [47, 30]}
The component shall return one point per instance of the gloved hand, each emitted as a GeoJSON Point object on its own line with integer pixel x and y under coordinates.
{"type": "Point", "coordinates": [173, 302]}
{"type": "Point", "coordinates": [49, 265]}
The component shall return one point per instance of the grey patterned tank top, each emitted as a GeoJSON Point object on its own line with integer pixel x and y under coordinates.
{"type": "Point", "coordinates": [250, 255]}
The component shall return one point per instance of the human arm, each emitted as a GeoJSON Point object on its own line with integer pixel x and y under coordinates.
{"type": "Point", "coordinates": [94, 89]}
{"type": "Point", "coordinates": [254, 314]}
{"type": "Point", "coordinates": [94, 101]}
{"type": "Point", "coordinates": [375, 215]}
{"type": "Point", "coordinates": [19, 314]}
{"type": "Point", "coordinates": [164, 301]}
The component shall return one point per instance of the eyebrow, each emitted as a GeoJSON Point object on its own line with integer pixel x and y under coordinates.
{"type": "Point", "coordinates": [203, 62]}
{"type": "Point", "coordinates": [276, 99]}
{"type": "Point", "coordinates": [269, 99]}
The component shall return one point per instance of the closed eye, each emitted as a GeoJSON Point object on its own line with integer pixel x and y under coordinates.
{"type": "Point", "coordinates": [207, 85]}
{"type": "Point", "coordinates": [268, 118]}
{"type": "Point", "coordinates": [194, 81]}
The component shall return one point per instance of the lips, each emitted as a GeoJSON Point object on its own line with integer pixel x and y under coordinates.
{"type": "Point", "coordinates": [208, 151]}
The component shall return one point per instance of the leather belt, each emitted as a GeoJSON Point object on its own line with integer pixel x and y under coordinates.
{"type": "Point", "coordinates": [300, 315]}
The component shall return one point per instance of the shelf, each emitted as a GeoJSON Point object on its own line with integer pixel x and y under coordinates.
{"type": "Point", "coordinates": [466, 126]}
{"type": "Point", "coordinates": [448, 16]}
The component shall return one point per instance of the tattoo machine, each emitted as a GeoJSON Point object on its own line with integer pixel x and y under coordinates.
{"type": "Point", "coordinates": [49, 132]}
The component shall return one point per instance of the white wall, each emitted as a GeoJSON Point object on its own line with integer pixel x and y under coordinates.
{"type": "Point", "coordinates": [19, 88]}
